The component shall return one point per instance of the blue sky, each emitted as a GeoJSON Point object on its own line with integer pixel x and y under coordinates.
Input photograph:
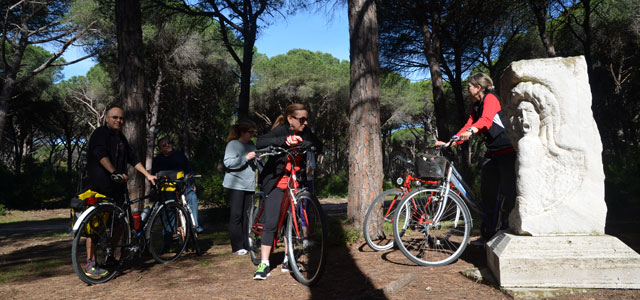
{"type": "Point", "coordinates": [306, 30]}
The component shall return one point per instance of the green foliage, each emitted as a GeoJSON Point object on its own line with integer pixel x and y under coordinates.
{"type": "Point", "coordinates": [210, 190]}
{"type": "Point", "coordinates": [3, 209]}
{"type": "Point", "coordinates": [406, 135]}
{"type": "Point", "coordinates": [39, 186]}
{"type": "Point", "coordinates": [332, 185]}
{"type": "Point", "coordinates": [317, 80]}
{"type": "Point", "coordinates": [341, 232]}
{"type": "Point", "coordinates": [623, 182]}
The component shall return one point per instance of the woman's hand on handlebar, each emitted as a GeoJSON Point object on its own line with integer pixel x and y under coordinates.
{"type": "Point", "coordinates": [251, 155]}
{"type": "Point", "coordinates": [440, 143]}
{"type": "Point", "coordinates": [293, 140]}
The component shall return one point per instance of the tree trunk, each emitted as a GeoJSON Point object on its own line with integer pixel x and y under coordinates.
{"type": "Point", "coordinates": [131, 83]}
{"type": "Point", "coordinates": [539, 8]}
{"type": "Point", "coordinates": [152, 124]}
{"type": "Point", "coordinates": [432, 52]}
{"type": "Point", "coordinates": [245, 77]}
{"type": "Point", "coordinates": [185, 126]}
{"type": "Point", "coordinates": [5, 95]}
{"type": "Point", "coordinates": [365, 150]}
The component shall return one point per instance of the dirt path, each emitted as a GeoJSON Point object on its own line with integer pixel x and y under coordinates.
{"type": "Point", "coordinates": [35, 266]}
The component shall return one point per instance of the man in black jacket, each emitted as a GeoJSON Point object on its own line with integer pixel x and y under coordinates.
{"type": "Point", "coordinates": [109, 153]}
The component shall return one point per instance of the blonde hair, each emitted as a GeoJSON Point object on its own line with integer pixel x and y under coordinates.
{"type": "Point", "coordinates": [483, 80]}
{"type": "Point", "coordinates": [282, 119]}
{"type": "Point", "coordinates": [239, 128]}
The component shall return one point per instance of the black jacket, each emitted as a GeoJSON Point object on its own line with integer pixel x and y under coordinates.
{"type": "Point", "coordinates": [175, 161]}
{"type": "Point", "coordinates": [274, 167]}
{"type": "Point", "coordinates": [104, 142]}
{"type": "Point", "coordinates": [496, 137]}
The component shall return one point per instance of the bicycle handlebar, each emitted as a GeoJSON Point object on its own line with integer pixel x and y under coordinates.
{"type": "Point", "coordinates": [275, 150]}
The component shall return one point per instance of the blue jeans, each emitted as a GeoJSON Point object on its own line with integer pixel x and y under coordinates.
{"type": "Point", "coordinates": [192, 201]}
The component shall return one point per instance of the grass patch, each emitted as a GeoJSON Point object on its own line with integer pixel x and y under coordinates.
{"type": "Point", "coordinates": [220, 237]}
{"type": "Point", "coordinates": [52, 234]}
{"type": "Point", "coordinates": [341, 232]}
{"type": "Point", "coordinates": [29, 268]}
{"type": "Point", "coordinates": [205, 263]}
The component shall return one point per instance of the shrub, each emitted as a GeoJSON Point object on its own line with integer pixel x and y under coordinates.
{"type": "Point", "coordinates": [332, 185]}
{"type": "Point", "coordinates": [210, 190]}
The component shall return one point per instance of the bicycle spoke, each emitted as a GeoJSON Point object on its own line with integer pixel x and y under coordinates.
{"type": "Point", "coordinates": [307, 241]}
{"type": "Point", "coordinates": [438, 230]}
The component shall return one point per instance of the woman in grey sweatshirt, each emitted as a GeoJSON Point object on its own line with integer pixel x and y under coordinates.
{"type": "Point", "coordinates": [240, 182]}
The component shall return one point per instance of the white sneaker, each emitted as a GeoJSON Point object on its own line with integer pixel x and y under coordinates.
{"type": "Point", "coordinates": [241, 252]}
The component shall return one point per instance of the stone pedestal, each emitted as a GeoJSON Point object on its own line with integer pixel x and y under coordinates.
{"type": "Point", "coordinates": [599, 261]}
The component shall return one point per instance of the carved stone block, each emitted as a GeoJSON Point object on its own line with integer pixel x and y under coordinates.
{"type": "Point", "coordinates": [560, 184]}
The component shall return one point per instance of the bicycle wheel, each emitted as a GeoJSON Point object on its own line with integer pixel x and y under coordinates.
{"type": "Point", "coordinates": [256, 225]}
{"type": "Point", "coordinates": [168, 232]}
{"type": "Point", "coordinates": [106, 229]}
{"type": "Point", "coordinates": [306, 234]}
{"type": "Point", "coordinates": [436, 232]}
{"type": "Point", "coordinates": [378, 222]}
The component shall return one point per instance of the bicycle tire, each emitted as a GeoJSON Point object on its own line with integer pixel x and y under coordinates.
{"type": "Point", "coordinates": [100, 225]}
{"type": "Point", "coordinates": [256, 225]}
{"type": "Point", "coordinates": [383, 206]}
{"type": "Point", "coordinates": [168, 233]}
{"type": "Point", "coordinates": [307, 248]}
{"type": "Point", "coordinates": [429, 242]}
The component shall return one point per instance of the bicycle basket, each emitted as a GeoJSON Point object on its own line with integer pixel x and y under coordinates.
{"type": "Point", "coordinates": [171, 175]}
{"type": "Point", "coordinates": [430, 166]}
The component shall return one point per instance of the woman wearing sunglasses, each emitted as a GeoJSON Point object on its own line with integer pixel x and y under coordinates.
{"type": "Point", "coordinates": [290, 129]}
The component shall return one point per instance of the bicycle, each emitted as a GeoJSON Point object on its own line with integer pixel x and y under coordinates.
{"type": "Point", "coordinates": [119, 236]}
{"type": "Point", "coordinates": [306, 225]}
{"type": "Point", "coordinates": [379, 235]}
{"type": "Point", "coordinates": [172, 181]}
{"type": "Point", "coordinates": [437, 228]}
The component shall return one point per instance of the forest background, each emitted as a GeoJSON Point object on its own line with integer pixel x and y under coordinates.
{"type": "Point", "coordinates": [202, 71]}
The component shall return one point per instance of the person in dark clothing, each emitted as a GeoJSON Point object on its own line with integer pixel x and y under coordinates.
{"type": "Point", "coordinates": [108, 154]}
{"type": "Point", "coordinates": [289, 129]}
{"type": "Point", "coordinates": [168, 159]}
{"type": "Point", "coordinates": [498, 168]}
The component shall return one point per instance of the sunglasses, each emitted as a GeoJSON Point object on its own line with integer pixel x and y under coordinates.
{"type": "Point", "coordinates": [117, 118]}
{"type": "Point", "coordinates": [301, 119]}
{"type": "Point", "coordinates": [166, 144]}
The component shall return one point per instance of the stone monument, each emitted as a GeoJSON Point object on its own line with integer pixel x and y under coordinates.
{"type": "Point", "coordinates": [556, 236]}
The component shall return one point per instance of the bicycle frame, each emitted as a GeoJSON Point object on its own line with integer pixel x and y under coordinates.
{"type": "Point", "coordinates": [289, 200]}
{"type": "Point", "coordinates": [453, 183]}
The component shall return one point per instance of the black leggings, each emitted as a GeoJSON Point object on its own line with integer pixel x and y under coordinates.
{"type": "Point", "coordinates": [272, 205]}
{"type": "Point", "coordinates": [499, 173]}
{"type": "Point", "coordinates": [239, 202]}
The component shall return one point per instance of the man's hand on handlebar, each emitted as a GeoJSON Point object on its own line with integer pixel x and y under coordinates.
{"type": "Point", "coordinates": [152, 179]}
{"type": "Point", "coordinates": [119, 178]}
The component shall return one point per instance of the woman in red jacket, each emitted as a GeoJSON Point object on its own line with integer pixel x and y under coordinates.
{"type": "Point", "coordinates": [498, 168]}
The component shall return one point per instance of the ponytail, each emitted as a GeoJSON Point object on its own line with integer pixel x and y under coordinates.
{"type": "Point", "coordinates": [282, 119]}
{"type": "Point", "coordinates": [239, 128]}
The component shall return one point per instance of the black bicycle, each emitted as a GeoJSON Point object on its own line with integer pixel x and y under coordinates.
{"type": "Point", "coordinates": [114, 234]}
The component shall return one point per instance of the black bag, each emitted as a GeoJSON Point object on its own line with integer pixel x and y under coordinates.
{"type": "Point", "coordinates": [430, 166]}
{"type": "Point", "coordinates": [77, 207]}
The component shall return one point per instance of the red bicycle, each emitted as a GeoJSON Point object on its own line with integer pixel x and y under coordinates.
{"type": "Point", "coordinates": [305, 231]}
{"type": "Point", "coordinates": [378, 222]}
